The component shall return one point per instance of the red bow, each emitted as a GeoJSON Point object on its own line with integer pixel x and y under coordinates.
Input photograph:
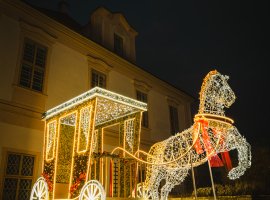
{"type": "Point", "coordinates": [202, 124]}
{"type": "Point", "coordinates": [214, 159]}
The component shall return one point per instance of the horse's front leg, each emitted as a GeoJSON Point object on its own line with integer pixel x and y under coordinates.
{"type": "Point", "coordinates": [173, 178]}
{"type": "Point", "coordinates": [154, 181]}
{"type": "Point", "coordinates": [238, 142]}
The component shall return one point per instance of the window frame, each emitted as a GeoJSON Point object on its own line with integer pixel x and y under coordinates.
{"type": "Point", "coordinates": [42, 37]}
{"type": "Point", "coordinates": [100, 66]}
{"type": "Point", "coordinates": [99, 73]}
{"type": "Point", "coordinates": [33, 64]}
{"type": "Point", "coordinates": [118, 47]}
{"type": "Point", "coordinates": [174, 119]}
{"type": "Point", "coordinates": [3, 175]}
{"type": "Point", "coordinates": [145, 114]}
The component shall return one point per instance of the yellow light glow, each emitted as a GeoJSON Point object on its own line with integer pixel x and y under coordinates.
{"type": "Point", "coordinates": [93, 117]}
{"type": "Point", "coordinates": [211, 133]}
{"type": "Point", "coordinates": [50, 142]}
{"type": "Point", "coordinates": [57, 147]}
{"type": "Point", "coordinates": [91, 94]}
{"type": "Point", "coordinates": [213, 117]}
{"type": "Point", "coordinates": [100, 108]}
{"type": "Point", "coordinates": [149, 155]}
{"type": "Point", "coordinates": [84, 111]}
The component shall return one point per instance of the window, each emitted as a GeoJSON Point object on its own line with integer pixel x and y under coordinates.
{"type": "Point", "coordinates": [98, 79]}
{"type": "Point", "coordinates": [174, 119]}
{"type": "Point", "coordinates": [118, 45]}
{"type": "Point", "coordinates": [143, 97]}
{"type": "Point", "coordinates": [98, 34]}
{"type": "Point", "coordinates": [33, 65]}
{"type": "Point", "coordinates": [18, 176]}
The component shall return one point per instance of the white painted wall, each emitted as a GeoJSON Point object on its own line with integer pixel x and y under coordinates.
{"type": "Point", "coordinates": [121, 84]}
{"type": "Point", "coordinates": [9, 47]}
{"type": "Point", "coordinates": [22, 139]}
{"type": "Point", "coordinates": [158, 116]}
{"type": "Point", "coordinates": [68, 75]}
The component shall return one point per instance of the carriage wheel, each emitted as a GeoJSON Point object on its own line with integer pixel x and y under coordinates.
{"type": "Point", "coordinates": [92, 190]}
{"type": "Point", "coordinates": [40, 190]}
{"type": "Point", "coordinates": [142, 192]}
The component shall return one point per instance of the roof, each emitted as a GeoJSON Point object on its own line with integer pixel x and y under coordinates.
{"type": "Point", "coordinates": [110, 105]}
{"type": "Point", "coordinates": [60, 17]}
{"type": "Point", "coordinates": [101, 10]}
{"type": "Point", "coordinates": [69, 22]}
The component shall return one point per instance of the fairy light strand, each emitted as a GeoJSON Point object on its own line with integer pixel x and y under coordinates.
{"type": "Point", "coordinates": [73, 123]}
{"type": "Point", "coordinates": [211, 133]}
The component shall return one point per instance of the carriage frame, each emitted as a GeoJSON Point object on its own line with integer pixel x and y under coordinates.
{"type": "Point", "coordinates": [74, 162]}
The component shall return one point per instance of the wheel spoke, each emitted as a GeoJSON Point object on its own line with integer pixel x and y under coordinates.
{"type": "Point", "coordinates": [98, 194]}
{"type": "Point", "coordinates": [43, 186]}
{"type": "Point", "coordinates": [140, 192]}
{"type": "Point", "coordinates": [43, 193]}
{"type": "Point", "coordinates": [39, 190]}
{"type": "Point", "coordinates": [38, 187]}
{"type": "Point", "coordinates": [92, 190]}
{"type": "Point", "coordinates": [35, 190]}
{"type": "Point", "coordinates": [95, 190]}
{"type": "Point", "coordinates": [88, 191]}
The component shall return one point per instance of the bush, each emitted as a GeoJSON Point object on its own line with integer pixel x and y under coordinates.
{"type": "Point", "coordinates": [205, 191]}
{"type": "Point", "coordinates": [239, 188]}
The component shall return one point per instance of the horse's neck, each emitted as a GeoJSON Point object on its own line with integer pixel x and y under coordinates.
{"type": "Point", "coordinates": [207, 106]}
{"type": "Point", "coordinates": [215, 109]}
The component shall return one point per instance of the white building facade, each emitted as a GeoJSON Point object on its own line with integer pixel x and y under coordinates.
{"type": "Point", "coordinates": [44, 63]}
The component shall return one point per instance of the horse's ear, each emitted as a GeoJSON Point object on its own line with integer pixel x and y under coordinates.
{"type": "Point", "coordinates": [226, 77]}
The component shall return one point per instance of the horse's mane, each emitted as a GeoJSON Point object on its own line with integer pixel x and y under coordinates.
{"type": "Point", "coordinates": [203, 87]}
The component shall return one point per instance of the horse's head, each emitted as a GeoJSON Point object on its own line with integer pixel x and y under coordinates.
{"type": "Point", "coordinates": [215, 94]}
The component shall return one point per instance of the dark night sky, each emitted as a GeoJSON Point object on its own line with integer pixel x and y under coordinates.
{"type": "Point", "coordinates": [181, 41]}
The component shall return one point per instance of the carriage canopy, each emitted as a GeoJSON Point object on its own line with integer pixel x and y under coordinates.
{"type": "Point", "coordinates": [74, 135]}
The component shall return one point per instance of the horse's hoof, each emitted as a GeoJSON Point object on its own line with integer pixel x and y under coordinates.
{"type": "Point", "coordinates": [236, 173]}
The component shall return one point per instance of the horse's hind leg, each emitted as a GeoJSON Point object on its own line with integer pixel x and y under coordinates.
{"type": "Point", "coordinates": [175, 178]}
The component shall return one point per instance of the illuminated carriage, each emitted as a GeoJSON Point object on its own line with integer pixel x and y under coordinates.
{"type": "Point", "coordinates": [75, 165]}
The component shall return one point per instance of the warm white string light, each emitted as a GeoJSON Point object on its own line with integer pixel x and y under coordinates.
{"type": "Point", "coordinates": [51, 134]}
{"type": "Point", "coordinates": [211, 133]}
{"type": "Point", "coordinates": [129, 131]}
{"type": "Point", "coordinates": [108, 110]}
{"type": "Point", "coordinates": [95, 92]}
{"type": "Point", "coordinates": [95, 141]}
{"type": "Point", "coordinates": [171, 159]}
{"type": "Point", "coordinates": [85, 121]}
{"type": "Point", "coordinates": [69, 120]}
{"type": "Point", "coordinates": [84, 128]}
{"type": "Point", "coordinates": [81, 116]}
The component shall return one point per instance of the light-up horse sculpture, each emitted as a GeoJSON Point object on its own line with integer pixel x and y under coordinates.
{"type": "Point", "coordinates": [211, 133]}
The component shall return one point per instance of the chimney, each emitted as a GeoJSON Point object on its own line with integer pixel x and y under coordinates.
{"type": "Point", "coordinates": [63, 7]}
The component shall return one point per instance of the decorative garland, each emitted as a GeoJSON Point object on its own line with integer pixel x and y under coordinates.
{"type": "Point", "coordinates": [77, 183]}
{"type": "Point", "coordinates": [79, 167]}
{"type": "Point", "coordinates": [48, 181]}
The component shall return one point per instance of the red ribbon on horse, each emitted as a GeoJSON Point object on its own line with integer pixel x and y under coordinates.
{"type": "Point", "coordinates": [201, 125]}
